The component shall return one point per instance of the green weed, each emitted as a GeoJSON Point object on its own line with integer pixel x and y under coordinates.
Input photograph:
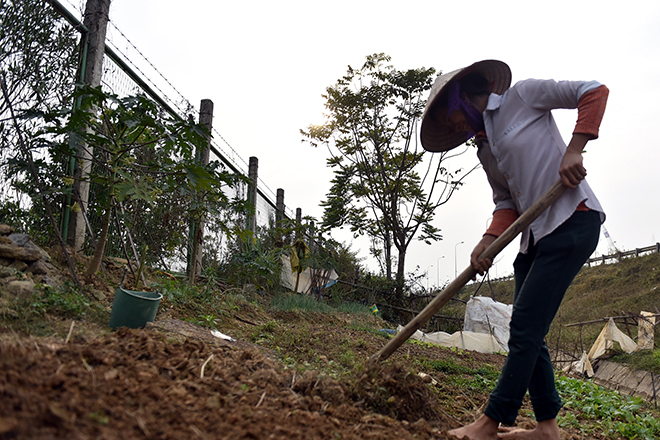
{"type": "Point", "coordinates": [289, 302]}
{"type": "Point", "coordinates": [605, 411]}
{"type": "Point", "coordinates": [646, 360]}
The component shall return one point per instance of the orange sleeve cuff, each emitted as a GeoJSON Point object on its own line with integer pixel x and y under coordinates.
{"type": "Point", "coordinates": [590, 111]}
{"type": "Point", "coordinates": [502, 219]}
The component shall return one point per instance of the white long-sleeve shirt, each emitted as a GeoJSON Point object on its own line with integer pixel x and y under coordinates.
{"type": "Point", "coordinates": [524, 151]}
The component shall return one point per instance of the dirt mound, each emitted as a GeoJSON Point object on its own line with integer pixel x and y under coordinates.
{"type": "Point", "coordinates": [136, 384]}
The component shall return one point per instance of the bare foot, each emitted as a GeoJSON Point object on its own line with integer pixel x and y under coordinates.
{"type": "Point", "coordinates": [484, 428]}
{"type": "Point", "coordinates": [545, 430]}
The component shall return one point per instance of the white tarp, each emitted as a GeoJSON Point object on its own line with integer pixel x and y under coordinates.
{"type": "Point", "coordinates": [606, 339]}
{"type": "Point", "coordinates": [646, 332]}
{"type": "Point", "coordinates": [581, 365]}
{"type": "Point", "coordinates": [485, 315]}
{"type": "Point", "coordinates": [481, 342]}
{"type": "Point", "coordinates": [289, 278]}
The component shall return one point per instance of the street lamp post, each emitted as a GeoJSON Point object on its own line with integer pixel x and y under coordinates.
{"type": "Point", "coordinates": [455, 268]}
{"type": "Point", "coordinates": [437, 271]}
{"type": "Point", "coordinates": [427, 276]}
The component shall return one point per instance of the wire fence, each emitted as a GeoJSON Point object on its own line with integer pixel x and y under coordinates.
{"type": "Point", "coordinates": [133, 61]}
{"type": "Point", "coordinates": [126, 72]}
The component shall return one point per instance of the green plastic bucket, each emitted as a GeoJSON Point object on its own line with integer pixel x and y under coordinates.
{"type": "Point", "coordinates": [133, 309]}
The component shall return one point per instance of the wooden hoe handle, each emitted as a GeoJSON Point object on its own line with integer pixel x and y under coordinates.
{"type": "Point", "coordinates": [452, 289]}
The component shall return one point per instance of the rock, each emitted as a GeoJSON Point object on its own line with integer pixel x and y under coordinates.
{"type": "Point", "coordinates": [21, 289]}
{"type": "Point", "coordinates": [100, 296]}
{"type": "Point", "coordinates": [45, 280]}
{"type": "Point", "coordinates": [6, 310]}
{"type": "Point", "coordinates": [19, 253]}
{"type": "Point", "coordinates": [6, 229]}
{"type": "Point", "coordinates": [5, 240]}
{"type": "Point", "coordinates": [119, 262]}
{"type": "Point", "coordinates": [40, 267]}
{"type": "Point", "coordinates": [20, 239]}
{"type": "Point", "coordinates": [25, 241]}
{"type": "Point", "coordinates": [7, 272]}
{"type": "Point", "coordinates": [8, 425]}
{"type": "Point", "coordinates": [19, 265]}
{"type": "Point", "coordinates": [5, 262]}
{"type": "Point", "coordinates": [7, 280]}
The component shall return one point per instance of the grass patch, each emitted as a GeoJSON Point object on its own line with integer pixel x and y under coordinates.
{"type": "Point", "coordinates": [353, 308]}
{"type": "Point", "coordinates": [201, 304]}
{"type": "Point", "coordinates": [63, 302]}
{"type": "Point", "coordinates": [646, 360]}
{"type": "Point", "coordinates": [305, 303]}
{"type": "Point", "coordinates": [482, 378]}
{"type": "Point", "coordinates": [290, 302]}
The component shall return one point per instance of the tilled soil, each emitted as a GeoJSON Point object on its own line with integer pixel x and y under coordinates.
{"type": "Point", "coordinates": [175, 380]}
{"type": "Point", "coordinates": [136, 384]}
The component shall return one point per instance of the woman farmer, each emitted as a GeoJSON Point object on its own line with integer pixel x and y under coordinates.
{"type": "Point", "coordinates": [523, 154]}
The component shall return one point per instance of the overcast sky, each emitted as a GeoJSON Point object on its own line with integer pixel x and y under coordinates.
{"type": "Point", "coordinates": [266, 64]}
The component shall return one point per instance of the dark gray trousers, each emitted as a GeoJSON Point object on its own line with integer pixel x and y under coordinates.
{"type": "Point", "coordinates": [542, 277]}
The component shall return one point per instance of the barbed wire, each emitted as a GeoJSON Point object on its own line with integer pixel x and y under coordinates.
{"type": "Point", "coordinates": [229, 152]}
{"type": "Point", "coordinates": [234, 156]}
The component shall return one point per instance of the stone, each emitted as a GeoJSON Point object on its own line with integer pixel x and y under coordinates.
{"type": "Point", "coordinates": [5, 262]}
{"type": "Point", "coordinates": [5, 240]}
{"type": "Point", "coordinates": [19, 239]}
{"type": "Point", "coordinates": [6, 229]}
{"type": "Point", "coordinates": [25, 241]}
{"type": "Point", "coordinates": [19, 253]}
{"type": "Point", "coordinates": [119, 262]}
{"type": "Point", "coordinates": [20, 289]}
{"type": "Point", "coordinates": [7, 280]}
{"type": "Point", "coordinates": [100, 296]}
{"type": "Point", "coordinates": [7, 272]}
{"type": "Point", "coordinates": [45, 280]}
{"type": "Point", "coordinates": [19, 265]}
{"type": "Point", "coordinates": [40, 267]}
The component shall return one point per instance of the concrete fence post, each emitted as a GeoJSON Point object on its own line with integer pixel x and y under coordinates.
{"type": "Point", "coordinates": [197, 223]}
{"type": "Point", "coordinates": [253, 176]}
{"type": "Point", "coordinates": [96, 21]}
{"type": "Point", "coordinates": [298, 221]}
{"type": "Point", "coordinates": [279, 214]}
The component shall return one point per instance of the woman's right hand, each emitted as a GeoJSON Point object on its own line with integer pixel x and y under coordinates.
{"type": "Point", "coordinates": [482, 266]}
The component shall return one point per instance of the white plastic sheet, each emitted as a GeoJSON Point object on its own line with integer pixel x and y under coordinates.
{"type": "Point", "coordinates": [288, 279]}
{"type": "Point", "coordinates": [581, 365]}
{"type": "Point", "coordinates": [646, 333]}
{"type": "Point", "coordinates": [606, 339]}
{"type": "Point", "coordinates": [481, 342]}
{"type": "Point", "coordinates": [484, 315]}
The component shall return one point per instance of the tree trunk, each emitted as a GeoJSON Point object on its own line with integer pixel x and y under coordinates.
{"type": "Point", "coordinates": [97, 259]}
{"type": "Point", "coordinates": [387, 248]}
{"type": "Point", "coordinates": [400, 274]}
